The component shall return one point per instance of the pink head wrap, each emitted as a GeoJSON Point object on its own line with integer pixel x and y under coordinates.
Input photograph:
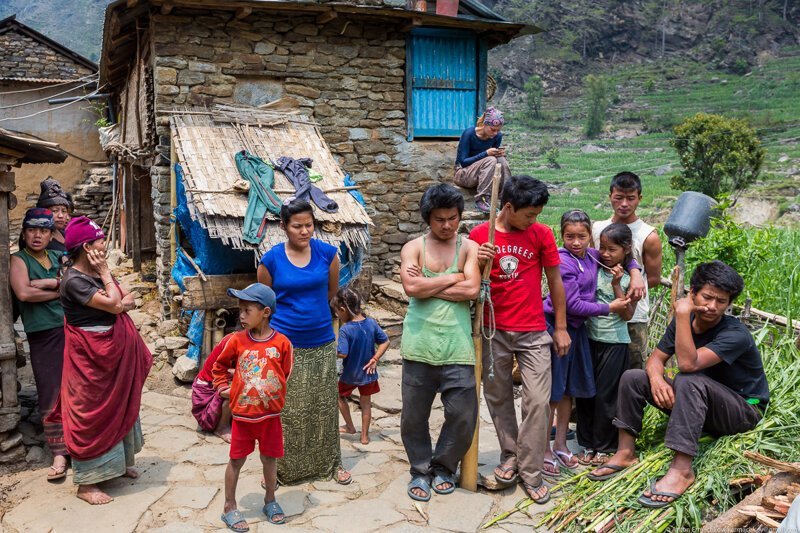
{"type": "Point", "coordinates": [81, 230]}
{"type": "Point", "coordinates": [493, 117]}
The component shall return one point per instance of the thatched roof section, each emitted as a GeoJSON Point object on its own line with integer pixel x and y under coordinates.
{"type": "Point", "coordinates": [206, 141]}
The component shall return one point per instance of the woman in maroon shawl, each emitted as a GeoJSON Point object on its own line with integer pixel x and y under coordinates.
{"type": "Point", "coordinates": [105, 366]}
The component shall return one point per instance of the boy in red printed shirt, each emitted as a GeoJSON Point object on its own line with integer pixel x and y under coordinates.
{"type": "Point", "coordinates": [262, 361]}
{"type": "Point", "coordinates": [523, 248]}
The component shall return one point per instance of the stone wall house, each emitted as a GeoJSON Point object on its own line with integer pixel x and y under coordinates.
{"type": "Point", "coordinates": [33, 69]}
{"type": "Point", "coordinates": [349, 65]}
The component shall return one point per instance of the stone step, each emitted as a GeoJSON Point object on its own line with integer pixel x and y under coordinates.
{"type": "Point", "coordinates": [390, 322]}
{"type": "Point", "coordinates": [389, 295]}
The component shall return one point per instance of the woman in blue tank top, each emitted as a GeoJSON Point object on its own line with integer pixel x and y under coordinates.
{"type": "Point", "coordinates": [304, 273]}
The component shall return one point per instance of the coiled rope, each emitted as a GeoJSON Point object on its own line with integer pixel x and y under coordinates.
{"type": "Point", "coordinates": [488, 326]}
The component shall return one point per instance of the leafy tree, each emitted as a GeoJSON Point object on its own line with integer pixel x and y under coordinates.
{"type": "Point", "coordinates": [534, 91]}
{"type": "Point", "coordinates": [719, 155]}
{"type": "Point", "coordinates": [598, 91]}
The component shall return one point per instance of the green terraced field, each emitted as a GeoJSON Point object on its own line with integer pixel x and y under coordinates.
{"type": "Point", "coordinates": [768, 97]}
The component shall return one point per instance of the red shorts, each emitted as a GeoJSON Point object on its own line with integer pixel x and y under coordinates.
{"type": "Point", "coordinates": [345, 389]}
{"type": "Point", "coordinates": [268, 433]}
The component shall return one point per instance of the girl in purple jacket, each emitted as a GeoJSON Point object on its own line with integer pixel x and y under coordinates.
{"type": "Point", "coordinates": [572, 374]}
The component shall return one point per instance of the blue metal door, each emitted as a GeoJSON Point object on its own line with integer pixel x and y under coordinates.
{"type": "Point", "coordinates": [445, 74]}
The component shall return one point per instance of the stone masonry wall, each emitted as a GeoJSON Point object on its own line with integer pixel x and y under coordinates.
{"type": "Point", "coordinates": [25, 57]}
{"type": "Point", "coordinates": [348, 74]}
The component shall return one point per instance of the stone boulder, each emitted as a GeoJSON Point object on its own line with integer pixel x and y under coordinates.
{"type": "Point", "coordinates": [185, 369]}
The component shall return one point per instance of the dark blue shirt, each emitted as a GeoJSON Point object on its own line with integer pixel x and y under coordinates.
{"type": "Point", "coordinates": [472, 149]}
{"type": "Point", "coordinates": [302, 312]}
{"type": "Point", "coordinates": [357, 340]}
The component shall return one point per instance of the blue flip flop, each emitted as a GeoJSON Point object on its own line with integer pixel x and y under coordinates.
{"type": "Point", "coordinates": [271, 509]}
{"type": "Point", "coordinates": [231, 518]}
{"type": "Point", "coordinates": [439, 479]}
{"type": "Point", "coordinates": [421, 483]}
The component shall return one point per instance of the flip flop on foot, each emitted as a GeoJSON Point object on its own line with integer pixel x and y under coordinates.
{"type": "Point", "coordinates": [566, 459]}
{"type": "Point", "coordinates": [648, 501]}
{"type": "Point", "coordinates": [343, 477]}
{"type": "Point", "coordinates": [235, 521]}
{"type": "Point", "coordinates": [600, 458]}
{"type": "Point", "coordinates": [274, 513]}
{"type": "Point", "coordinates": [420, 484]}
{"type": "Point", "coordinates": [586, 456]}
{"type": "Point", "coordinates": [57, 472]}
{"type": "Point", "coordinates": [553, 471]}
{"type": "Point", "coordinates": [615, 470]}
{"type": "Point", "coordinates": [540, 494]}
{"type": "Point", "coordinates": [443, 480]}
{"type": "Point", "coordinates": [501, 472]}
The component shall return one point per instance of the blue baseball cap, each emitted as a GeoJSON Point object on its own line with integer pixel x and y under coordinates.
{"type": "Point", "coordinates": [256, 292]}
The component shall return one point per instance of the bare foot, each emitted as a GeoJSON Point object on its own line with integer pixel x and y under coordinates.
{"type": "Point", "coordinates": [224, 434]}
{"type": "Point", "coordinates": [351, 430]}
{"type": "Point", "coordinates": [93, 495]}
{"type": "Point", "coordinates": [131, 473]}
{"type": "Point", "coordinates": [674, 481]}
{"type": "Point", "coordinates": [620, 458]}
{"type": "Point", "coordinates": [365, 438]}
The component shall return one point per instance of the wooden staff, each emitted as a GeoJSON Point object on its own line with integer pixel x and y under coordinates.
{"type": "Point", "coordinates": [678, 290]}
{"type": "Point", "coordinates": [469, 464]}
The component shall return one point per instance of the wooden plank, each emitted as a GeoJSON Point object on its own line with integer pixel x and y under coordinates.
{"type": "Point", "coordinates": [135, 222]}
{"type": "Point", "coordinates": [212, 294]}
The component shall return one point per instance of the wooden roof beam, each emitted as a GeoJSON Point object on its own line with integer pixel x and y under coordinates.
{"type": "Point", "coordinates": [411, 24]}
{"type": "Point", "coordinates": [326, 16]}
{"type": "Point", "coordinates": [242, 12]}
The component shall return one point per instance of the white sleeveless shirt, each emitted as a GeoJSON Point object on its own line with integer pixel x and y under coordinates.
{"type": "Point", "coordinates": [641, 230]}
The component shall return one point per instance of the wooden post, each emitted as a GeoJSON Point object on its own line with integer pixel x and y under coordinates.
{"type": "Point", "coordinates": [8, 349]}
{"type": "Point", "coordinates": [678, 289]}
{"type": "Point", "coordinates": [173, 224]}
{"type": "Point", "coordinates": [469, 464]}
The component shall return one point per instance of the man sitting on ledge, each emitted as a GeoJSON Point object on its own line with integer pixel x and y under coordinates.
{"type": "Point", "coordinates": [721, 387]}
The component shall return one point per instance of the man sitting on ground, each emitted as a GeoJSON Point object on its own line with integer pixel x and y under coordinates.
{"type": "Point", "coordinates": [721, 387]}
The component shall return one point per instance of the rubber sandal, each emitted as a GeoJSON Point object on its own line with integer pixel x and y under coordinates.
{"type": "Point", "coordinates": [505, 469]}
{"type": "Point", "coordinates": [586, 456]}
{"type": "Point", "coordinates": [616, 470]}
{"type": "Point", "coordinates": [422, 484]}
{"type": "Point", "coordinates": [563, 459]}
{"type": "Point", "coordinates": [271, 510]}
{"type": "Point", "coordinates": [551, 475]}
{"type": "Point", "coordinates": [600, 458]}
{"type": "Point", "coordinates": [232, 518]}
{"type": "Point", "coordinates": [59, 474]}
{"type": "Point", "coordinates": [440, 479]}
{"type": "Point", "coordinates": [347, 480]}
{"type": "Point", "coordinates": [530, 489]}
{"type": "Point", "coordinates": [650, 503]}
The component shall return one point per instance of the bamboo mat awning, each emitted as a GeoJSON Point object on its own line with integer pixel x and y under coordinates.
{"type": "Point", "coordinates": [206, 141]}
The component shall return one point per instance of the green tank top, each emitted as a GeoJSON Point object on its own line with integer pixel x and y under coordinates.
{"type": "Point", "coordinates": [39, 316]}
{"type": "Point", "coordinates": [436, 331]}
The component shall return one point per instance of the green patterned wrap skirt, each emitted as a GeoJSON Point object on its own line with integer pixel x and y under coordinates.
{"type": "Point", "coordinates": [310, 417]}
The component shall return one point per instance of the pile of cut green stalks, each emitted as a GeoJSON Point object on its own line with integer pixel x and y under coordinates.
{"type": "Point", "coordinates": [590, 506]}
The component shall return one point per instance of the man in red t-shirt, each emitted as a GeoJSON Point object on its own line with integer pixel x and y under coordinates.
{"type": "Point", "coordinates": [523, 248]}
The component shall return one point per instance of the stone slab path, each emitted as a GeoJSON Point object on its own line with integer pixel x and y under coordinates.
{"type": "Point", "coordinates": [181, 484]}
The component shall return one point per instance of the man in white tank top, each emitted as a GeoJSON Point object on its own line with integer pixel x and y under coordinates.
{"type": "Point", "coordinates": [625, 195]}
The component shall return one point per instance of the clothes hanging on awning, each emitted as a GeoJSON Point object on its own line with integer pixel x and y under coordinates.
{"type": "Point", "coordinates": [297, 172]}
{"type": "Point", "coordinates": [261, 199]}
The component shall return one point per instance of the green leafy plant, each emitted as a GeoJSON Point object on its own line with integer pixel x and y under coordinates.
{"type": "Point", "coordinates": [719, 155]}
{"type": "Point", "coordinates": [534, 91]}
{"type": "Point", "coordinates": [552, 157]}
{"type": "Point", "coordinates": [598, 90]}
